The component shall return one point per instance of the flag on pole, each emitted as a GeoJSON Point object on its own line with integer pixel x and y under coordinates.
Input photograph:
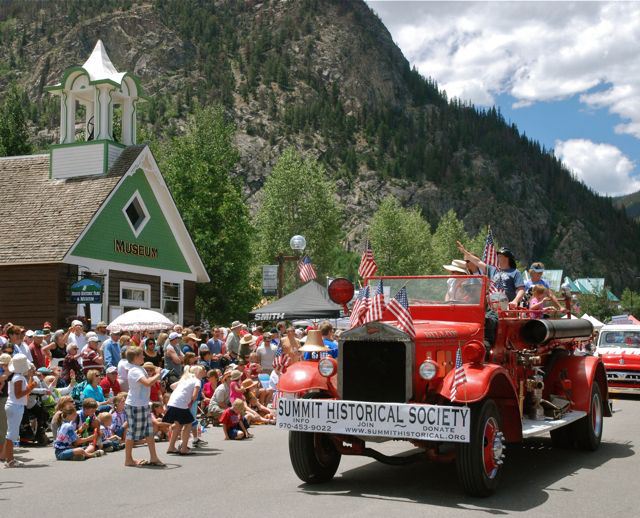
{"type": "Point", "coordinates": [306, 270]}
{"type": "Point", "coordinates": [399, 307]}
{"type": "Point", "coordinates": [360, 308]}
{"type": "Point", "coordinates": [458, 375]}
{"type": "Point", "coordinates": [368, 266]}
{"type": "Point", "coordinates": [489, 256]}
{"type": "Point", "coordinates": [376, 305]}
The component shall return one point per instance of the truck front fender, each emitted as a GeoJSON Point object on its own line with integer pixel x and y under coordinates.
{"type": "Point", "coordinates": [303, 377]}
{"type": "Point", "coordinates": [489, 381]}
{"type": "Point", "coordinates": [582, 371]}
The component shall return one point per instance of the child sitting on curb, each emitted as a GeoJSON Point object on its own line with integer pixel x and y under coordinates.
{"type": "Point", "coordinates": [110, 441]}
{"type": "Point", "coordinates": [160, 428]}
{"type": "Point", "coordinates": [67, 445]}
{"type": "Point", "coordinates": [234, 423]}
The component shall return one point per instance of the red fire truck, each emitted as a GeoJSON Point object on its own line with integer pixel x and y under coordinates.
{"type": "Point", "coordinates": [519, 377]}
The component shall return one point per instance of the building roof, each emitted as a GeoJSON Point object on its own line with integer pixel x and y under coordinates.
{"type": "Point", "coordinates": [41, 218]}
{"type": "Point", "coordinates": [590, 284]}
{"type": "Point", "coordinates": [99, 65]}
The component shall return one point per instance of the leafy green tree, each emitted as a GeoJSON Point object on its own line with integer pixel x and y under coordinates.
{"type": "Point", "coordinates": [630, 301]}
{"type": "Point", "coordinates": [400, 239]}
{"type": "Point", "coordinates": [14, 136]}
{"type": "Point", "coordinates": [298, 198]}
{"type": "Point", "coordinates": [443, 244]}
{"type": "Point", "coordinates": [598, 305]}
{"type": "Point", "coordinates": [196, 167]}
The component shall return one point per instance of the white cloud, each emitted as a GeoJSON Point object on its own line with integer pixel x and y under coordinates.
{"type": "Point", "coordinates": [535, 51]}
{"type": "Point", "coordinates": [602, 167]}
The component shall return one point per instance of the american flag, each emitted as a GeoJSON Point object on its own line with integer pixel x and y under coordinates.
{"type": "Point", "coordinates": [458, 375]}
{"type": "Point", "coordinates": [368, 266]}
{"type": "Point", "coordinates": [306, 270]}
{"type": "Point", "coordinates": [497, 286]}
{"type": "Point", "coordinates": [360, 308]}
{"type": "Point", "coordinates": [376, 305]}
{"type": "Point", "coordinates": [399, 307]}
{"type": "Point", "coordinates": [281, 360]}
{"type": "Point", "coordinates": [489, 256]}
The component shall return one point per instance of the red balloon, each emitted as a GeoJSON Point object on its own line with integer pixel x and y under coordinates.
{"type": "Point", "coordinates": [341, 290]}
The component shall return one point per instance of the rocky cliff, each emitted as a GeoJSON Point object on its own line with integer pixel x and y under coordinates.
{"type": "Point", "coordinates": [326, 77]}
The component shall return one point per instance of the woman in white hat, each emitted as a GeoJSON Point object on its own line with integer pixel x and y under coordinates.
{"type": "Point", "coordinates": [5, 360]}
{"type": "Point", "coordinates": [19, 389]}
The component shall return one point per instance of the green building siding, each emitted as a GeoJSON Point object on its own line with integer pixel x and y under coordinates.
{"type": "Point", "coordinates": [111, 225]}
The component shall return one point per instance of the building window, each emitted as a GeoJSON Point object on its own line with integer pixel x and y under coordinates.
{"type": "Point", "coordinates": [136, 213]}
{"type": "Point", "coordinates": [134, 296]}
{"type": "Point", "coordinates": [171, 301]}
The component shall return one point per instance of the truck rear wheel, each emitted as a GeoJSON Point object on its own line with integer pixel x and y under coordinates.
{"type": "Point", "coordinates": [479, 462]}
{"type": "Point", "coordinates": [588, 430]}
{"type": "Point", "coordinates": [313, 456]}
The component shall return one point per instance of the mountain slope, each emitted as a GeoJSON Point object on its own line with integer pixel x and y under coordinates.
{"type": "Point", "coordinates": [326, 77]}
{"type": "Point", "coordinates": [630, 203]}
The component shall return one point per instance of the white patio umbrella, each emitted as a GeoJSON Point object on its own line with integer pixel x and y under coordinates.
{"type": "Point", "coordinates": [140, 320]}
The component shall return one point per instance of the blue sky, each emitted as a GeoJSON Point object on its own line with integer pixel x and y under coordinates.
{"type": "Point", "coordinates": [566, 73]}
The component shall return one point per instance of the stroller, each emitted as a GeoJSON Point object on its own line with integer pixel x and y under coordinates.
{"type": "Point", "coordinates": [34, 424]}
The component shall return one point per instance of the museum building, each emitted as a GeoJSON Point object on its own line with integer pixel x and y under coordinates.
{"type": "Point", "coordinates": [95, 208]}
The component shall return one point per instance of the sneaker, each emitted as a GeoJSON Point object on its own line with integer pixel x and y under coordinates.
{"type": "Point", "coordinates": [13, 464]}
{"type": "Point", "coordinates": [199, 442]}
{"type": "Point", "coordinates": [98, 453]}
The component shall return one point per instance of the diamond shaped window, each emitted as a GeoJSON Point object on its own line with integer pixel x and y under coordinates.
{"type": "Point", "coordinates": [136, 213]}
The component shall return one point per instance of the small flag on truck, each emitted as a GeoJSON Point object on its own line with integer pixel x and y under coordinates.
{"type": "Point", "coordinates": [459, 376]}
{"type": "Point", "coordinates": [399, 307]}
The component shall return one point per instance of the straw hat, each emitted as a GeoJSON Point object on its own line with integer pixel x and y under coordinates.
{"type": "Point", "coordinates": [193, 337]}
{"type": "Point", "coordinates": [148, 365]}
{"type": "Point", "coordinates": [235, 375]}
{"type": "Point", "coordinates": [248, 384]}
{"type": "Point", "coordinates": [236, 324]}
{"type": "Point", "coordinates": [19, 364]}
{"type": "Point", "coordinates": [247, 340]}
{"type": "Point", "coordinates": [458, 266]}
{"type": "Point", "coordinates": [314, 342]}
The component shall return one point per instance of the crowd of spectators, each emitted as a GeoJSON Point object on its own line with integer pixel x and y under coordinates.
{"type": "Point", "coordinates": [104, 391]}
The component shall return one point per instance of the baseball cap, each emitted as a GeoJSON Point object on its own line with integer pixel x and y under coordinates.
{"type": "Point", "coordinates": [93, 339]}
{"type": "Point", "coordinates": [29, 333]}
{"type": "Point", "coordinates": [111, 369]}
{"type": "Point", "coordinates": [76, 323]}
{"type": "Point", "coordinates": [537, 267]}
{"type": "Point", "coordinates": [203, 349]}
{"type": "Point", "coordinates": [45, 371]}
{"type": "Point", "coordinates": [174, 335]}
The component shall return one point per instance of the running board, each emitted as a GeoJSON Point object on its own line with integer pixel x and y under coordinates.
{"type": "Point", "coordinates": [532, 428]}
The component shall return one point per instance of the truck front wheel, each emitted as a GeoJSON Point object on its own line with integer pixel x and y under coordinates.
{"type": "Point", "coordinates": [313, 456]}
{"type": "Point", "coordinates": [588, 430]}
{"type": "Point", "coordinates": [479, 462]}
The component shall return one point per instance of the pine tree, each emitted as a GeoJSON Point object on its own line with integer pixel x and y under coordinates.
{"type": "Point", "coordinates": [14, 136]}
{"type": "Point", "coordinates": [449, 230]}
{"type": "Point", "coordinates": [196, 167]}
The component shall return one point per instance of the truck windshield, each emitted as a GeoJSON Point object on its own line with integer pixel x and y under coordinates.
{"type": "Point", "coordinates": [463, 290]}
{"type": "Point", "coordinates": [619, 339]}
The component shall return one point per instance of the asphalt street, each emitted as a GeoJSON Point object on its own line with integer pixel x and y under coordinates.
{"type": "Point", "coordinates": [254, 477]}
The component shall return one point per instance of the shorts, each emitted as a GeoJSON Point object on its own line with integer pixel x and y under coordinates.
{"type": "Point", "coordinates": [65, 454]}
{"type": "Point", "coordinates": [180, 415]}
{"type": "Point", "coordinates": [14, 416]}
{"type": "Point", "coordinates": [214, 410]}
{"type": "Point", "coordinates": [233, 431]}
{"type": "Point", "coordinates": [140, 426]}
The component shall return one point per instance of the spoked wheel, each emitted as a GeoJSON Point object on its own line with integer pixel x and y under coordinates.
{"type": "Point", "coordinates": [314, 457]}
{"type": "Point", "coordinates": [479, 462]}
{"type": "Point", "coordinates": [588, 430]}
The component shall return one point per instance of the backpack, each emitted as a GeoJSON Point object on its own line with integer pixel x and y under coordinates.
{"type": "Point", "coordinates": [76, 392]}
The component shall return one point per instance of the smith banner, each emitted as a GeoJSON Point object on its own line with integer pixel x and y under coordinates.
{"type": "Point", "coordinates": [395, 420]}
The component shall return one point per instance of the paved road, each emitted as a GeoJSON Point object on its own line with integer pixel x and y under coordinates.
{"type": "Point", "coordinates": [252, 478]}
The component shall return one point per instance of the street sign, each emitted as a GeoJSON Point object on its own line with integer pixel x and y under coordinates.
{"type": "Point", "coordinates": [270, 279]}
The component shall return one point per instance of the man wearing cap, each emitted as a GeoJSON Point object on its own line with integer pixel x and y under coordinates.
{"type": "Point", "coordinates": [75, 335]}
{"type": "Point", "coordinates": [111, 349]}
{"type": "Point", "coordinates": [266, 352]}
{"type": "Point", "coordinates": [101, 331]}
{"type": "Point", "coordinates": [233, 339]}
{"type": "Point", "coordinates": [39, 349]}
{"type": "Point", "coordinates": [505, 274]}
{"type": "Point", "coordinates": [110, 382]}
{"type": "Point", "coordinates": [173, 357]}
{"type": "Point", "coordinates": [535, 277]}
{"type": "Point", "coordinates": [91, 357]}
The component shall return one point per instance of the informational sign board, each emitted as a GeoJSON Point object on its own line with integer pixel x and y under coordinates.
{"type": "Point", "coordinates": [270, 279]}
{"type": "Point", "coordinates": [395, 420]}
{"type": "Point", "coordinates": [86, 291]}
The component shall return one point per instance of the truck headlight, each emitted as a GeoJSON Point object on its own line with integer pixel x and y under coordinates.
{"type": "Point", "coordinates": [428, 370]}
{"type": "Point", "coordinates": [327, 367]}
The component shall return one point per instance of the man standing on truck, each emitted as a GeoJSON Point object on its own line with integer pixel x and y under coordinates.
{"type": "Point", "coordinates": [505, 273]}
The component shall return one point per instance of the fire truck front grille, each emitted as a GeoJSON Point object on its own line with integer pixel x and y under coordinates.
{"type": "Point", "coordinates": [374, 371]}
{"type": "Point", "coordinates": [624, 376]}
